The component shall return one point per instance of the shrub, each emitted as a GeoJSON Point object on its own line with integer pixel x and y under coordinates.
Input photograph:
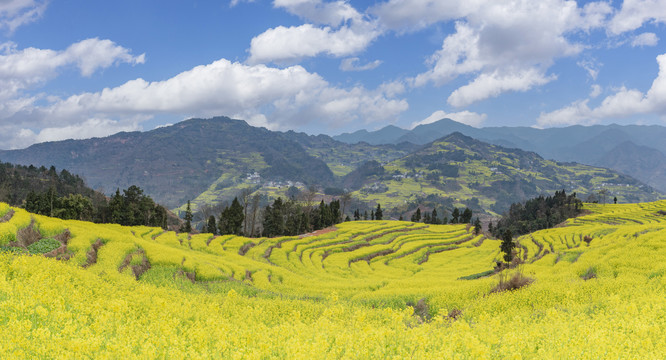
{"type": "Point", "coordinates": [516, 281]}
{"type": "Point", "coordinates": [587, 239]}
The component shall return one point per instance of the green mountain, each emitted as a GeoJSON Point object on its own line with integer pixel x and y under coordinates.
{"type": "Point", "coordinates": [591, 145]}
{"type": "Point", "coordinates": [386, 135]}
{"type": "Point", "coordinates": [458, 170]}
{"type": "Point", "coordinates": [209, 161]}
{"type": "Point", "coordinates": [177, 163]}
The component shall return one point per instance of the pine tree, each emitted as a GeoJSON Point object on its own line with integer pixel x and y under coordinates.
{"type": "Point", "coordinates": [455, 216]}
{"type": "Point", "coordinates": [379, 214]}
{"type": "Point", "coordinates": [211, 227]}
{"type": "Point", "coordinates": [466, 216]}
{"type": "Point", "coordinates": [434, 219]}
{"type": "Point", "coordinates": [507, 246]}
{"type": "Point", "coordinates": [477, 226]}
{"type": "Point", "coordinates": [372, 214]}
{"type": "Point", "coordinates": [187, 227]}
{"type": "Point", "coordinates": [416, 216]}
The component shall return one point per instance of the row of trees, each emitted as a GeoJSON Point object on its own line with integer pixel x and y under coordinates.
{"type": "Point", "coordinates": [281, 218]}
{"type": "Point", "coordinates": [458, 216]}
{"type": "Point", "coordinates": [131, 207]}
{"type": "Point", "coordinates": [375, 214]}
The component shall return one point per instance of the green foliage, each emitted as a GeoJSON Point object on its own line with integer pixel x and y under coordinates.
{"type": "Point", "coordinates": [133, 208]}
{"type": "Point", "coordinates": [538, 213]}
{"type": "Point", "coordinates": [43, 246]}
{"type": "Point", "coordinates": [231, 219]}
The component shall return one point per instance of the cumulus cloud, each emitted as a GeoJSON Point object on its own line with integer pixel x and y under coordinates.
{"type": "Point", "coordinates": [492, 85]}
{"type": "Point", "coordinates": [265, 96]}
{"type": "Point", "coordinates": [634, 13]}
{"type": "Point", "coordinates": [505, 45]}
{"type": "Point", "coordinates": [464, 117]}
{"type": "Point", "coordinates": [290, 44]}
{"type": "Point", "coordinates": [624, 103]}
{"type": "Point", "coordinates": [336, 29]}
{"type": "Point", "coordinates": [351, 64]}
{"type": "Point", "coordinates": [14, 13]}
{"type": "Point", "coordinates": [30, 67]}
{"type": "Point", "coordinates": [645, 39]}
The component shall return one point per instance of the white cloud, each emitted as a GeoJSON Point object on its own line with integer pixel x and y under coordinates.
{"type": "Point", "coordinates": [645, 39]}
{"type": "Point", "coordinates": [84, 130]}
{"type": "Point", "coordinates": [592, 67]}
{"type": "Point", "coordinates": [351, 64]}
{"type": "Point", "coordinates": [634, 13]}
{"type": "Point", "coordinates": [290, 44]}
{"type": "Point", "coordinates": [624, 103]}
{"type": "Point", "coordinates": [505, 45]}
{"type": "Point", "coordinates": [14, 13]}
{"type": "Point", "coordinates": [464, 117]}
{"type": "Point", "coordinates": [265, 96]}
{"type": "Point", "coordinates": [410, 15]}
{"type": "Point", "coordinates": [30, 67]}
{"type": "Point", "coordinates": [329, 13]}
{"type": "Point", "coordinates": [596, 91]}
{"type": "Point", "coordinates": [337, 29]}
{"type": "Point", "coordinates": [492, 85]}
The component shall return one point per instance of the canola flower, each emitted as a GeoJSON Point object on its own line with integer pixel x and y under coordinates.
{"type": "Point", "coordinates": [342, 294]}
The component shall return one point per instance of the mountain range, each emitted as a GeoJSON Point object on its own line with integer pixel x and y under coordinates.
{"type": "Point", "coordinates": [212, 160]}
{"type": "Point", "coordinates": [622, 148]}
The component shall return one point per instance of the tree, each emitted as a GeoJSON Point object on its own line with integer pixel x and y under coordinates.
{"type": "Point", "coordinates": [434, 219]}
{"type": "Point", "coordinates": [187, 227]}
{"type": "Point", "coordinates": [507, 245]}
{"type": "Point", "coordinates": [231, 219]}
{"type": "Point", "coordinates": [466, 216]}
{"type": "Point", "coordinates": [455, 216]}
{"type": "Point", "coordinates": [416, 216]}
{"type": "Point", "coordinates": [602, 195]}
{"type": "Point", "coordinates": [255, 208]}
{"type": "Point", "coordinates": [245, 198]}
{"type": "Point", "coordinates": [477, 226]}
{"type": "Point", "coordinates": [615, 200]}
{"type": "Point", "coordinates": [345, 199]}
{"type": "Point", "coordinates": [211, 227]}
{"type": "Point", "coordinates": [372, 214]}
{"type": "Point", "coordinates": [379, 214]}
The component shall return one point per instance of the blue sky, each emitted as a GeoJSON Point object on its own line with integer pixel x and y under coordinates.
{"type": "Point", "coordinates": [80, 68]}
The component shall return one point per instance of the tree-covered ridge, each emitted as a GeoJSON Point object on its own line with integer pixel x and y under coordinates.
{"type": "Point", "coordinates": [17, 181]}
{"type": "Point", "coordinates": [538, 213]}
{"type": "Point", "coordinates": [177, 163]}
{"type": "Point", "coordinates": [458, 171]}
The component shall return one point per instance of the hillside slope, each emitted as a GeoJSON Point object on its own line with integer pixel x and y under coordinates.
{"type": "Point", "coordinates": [461, 171]}
{"type": "Point", "coordinates": [176, 163]}
{"type": "Point", "coordinates": [591, 145]}
{"type": "Point", "coordinates": [133, 292]}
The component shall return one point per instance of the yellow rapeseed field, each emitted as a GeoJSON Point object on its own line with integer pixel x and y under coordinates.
{"type": "Point", "coordinates": [368, 290]}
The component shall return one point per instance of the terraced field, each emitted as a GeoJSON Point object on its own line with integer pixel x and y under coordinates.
{"type": "Point", "coordinates": [367, 289]}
